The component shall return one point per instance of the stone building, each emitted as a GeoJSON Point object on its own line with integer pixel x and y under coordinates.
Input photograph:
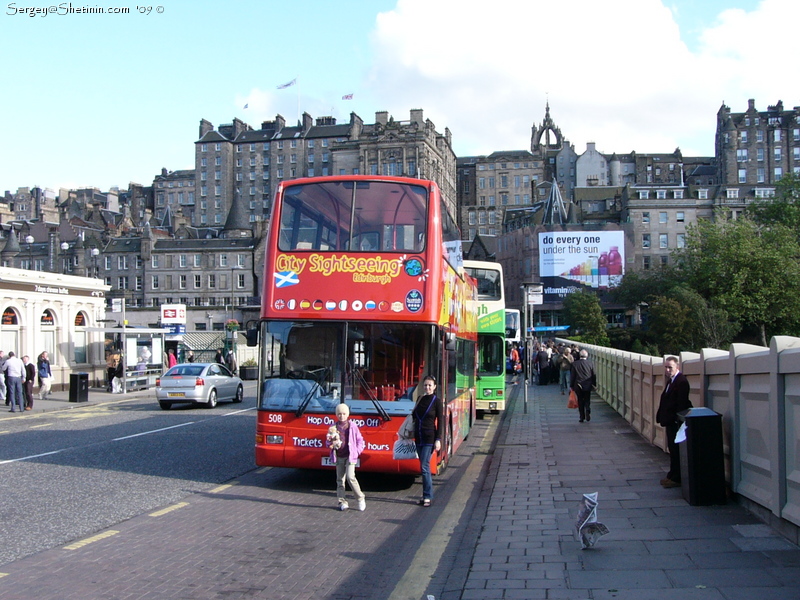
{"type": "Point", "coordinates": [489, 185]}
{"type": "Point", "coordinates": [237, 159]}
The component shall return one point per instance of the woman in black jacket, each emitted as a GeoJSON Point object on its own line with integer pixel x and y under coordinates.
{"type": "Point", "coordinates": [428, 416]}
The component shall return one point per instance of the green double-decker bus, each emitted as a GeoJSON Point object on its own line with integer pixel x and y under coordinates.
{"type": "Point", "coordinates": [491, 310]}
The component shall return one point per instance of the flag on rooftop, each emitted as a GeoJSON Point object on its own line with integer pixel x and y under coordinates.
{"type": "Point", "coordinates": [347, 97]}
{"type": "Point", "coordinates": [286, 85]}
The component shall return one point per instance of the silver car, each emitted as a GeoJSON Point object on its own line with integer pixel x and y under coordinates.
{"type": "Point", "coordinates": [199, 383]}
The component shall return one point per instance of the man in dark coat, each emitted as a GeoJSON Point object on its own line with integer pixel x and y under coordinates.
{"type": "Point", "coordinates": [674, 399]}
{"type": "Point", "coordinates": [583, 380]}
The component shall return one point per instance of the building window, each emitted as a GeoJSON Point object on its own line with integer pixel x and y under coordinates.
{"type": "Point", "coordinates": [760, 154]}
{"type": "Point", "coordinates": [646, 263]}
{"type": "Point", "coordinates": [760, 175]}
{"type": "Point", "coordinates": [664, 260]}
{"type": "Point", "coordinates": [662, 240]}
{"type": "Point", "coordinates": [661, 194]}
{"type": "Point", "coordinates": [777, 135]}
{"type": "Point", "coordinates": [182, 282]}
{"type": "Point", "coordinates": [732, 193]}
{"type": "Point", "coordinates": [154, 261]}
{"type": "Point", "coordinates": [212, 282]}
{"type": "Point", "coordinates": [743, 136]}
{"type": "Point", "coordinates": [760, 135]}
{"type": "Point", "coordinates": [741, 155]}
{"type": "Point", "coordinates": [742, 175]}
{"type": "Point", "coordinates": [155, 282]}
{"type": "Point", "coordinates": [778, 173]}
{"type": "Point", "coordinates": [680, 216]}
{"type": "Point", "coordinates": [778, 154]}
{"type": "Point", "coordinates": [680, 240]}
{"type": "Point", "coordinates": [702, 194]}
{"type": "Point", "coordinates": [677, 194]}
{"type": "Point", "coordinates": [662, 217]}
{"type": "Point", "coordinates": [645, 240]}
{"type": "Point", "coordinates": [198, 282]}
{"type": "Point", "coordinates": [645, 218]}
{"type": "Point", "coordinates": [122, 283]}
{"type": "Point", "coordinates": [643, 194]}
{"type": "Point", "coordinates": [139, 283]}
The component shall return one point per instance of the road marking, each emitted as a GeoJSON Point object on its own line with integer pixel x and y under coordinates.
{"type": "Point", "coordinates": [3, 575]}
{"type": "Point", "coordinates": [238, 412]}
{"type": "Point", "coordinates": [169, 509]}
{"type": "Point", "coordinates": [91, 540]}
{"type": "Point", "coordinates": [135, 435]}
{"type": "Point", "coordinates": [32, 456]}
{"type": "Point", "coordinates": [262, 470]}
{"type": "Point", "coordinates": [221, 488]}
{"type": "Point", "coordinates": [42, 425]}
{"type": "Point", "coordinates": [2, 432]}
{"type": "Point", "coordinates": [416, 579]}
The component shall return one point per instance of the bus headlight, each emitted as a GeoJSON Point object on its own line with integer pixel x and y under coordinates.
{"type": "Point", "coordinates": [275, 439]}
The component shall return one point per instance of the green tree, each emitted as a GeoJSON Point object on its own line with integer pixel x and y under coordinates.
{"type": "Point", "coordinates": [783, 209]}
{"type": "Point", "coordinates": [585, 316]}
{"type": "Point", "coordinates": [748, 270]}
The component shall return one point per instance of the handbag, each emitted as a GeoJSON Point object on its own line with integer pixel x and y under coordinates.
{"type": "Point", "coordinates": [573, 400]}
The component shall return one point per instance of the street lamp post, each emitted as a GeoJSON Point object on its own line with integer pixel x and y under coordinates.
{"type": "Point", "coordinates": [29, 240]}
{"type": "Point", "coordinates": [531, 296]}
{"type": "Point", "coordinates": [64, 248]}
{"type": "Point", "coordinates": [95, 253]}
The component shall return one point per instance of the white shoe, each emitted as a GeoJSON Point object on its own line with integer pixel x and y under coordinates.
{"type": "Point", "coordinates": [362, 505]}
{"type": "Point", "coordinates": [343, 506]}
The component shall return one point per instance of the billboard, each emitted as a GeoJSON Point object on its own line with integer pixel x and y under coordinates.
{"type": "Point", "coordinates": [580, 260]}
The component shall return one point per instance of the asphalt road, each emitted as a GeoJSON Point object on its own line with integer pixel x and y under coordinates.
{"type": "Point", "coordinates": [124, 500]}
{"type": "Point", "coordinates": [68, 473]}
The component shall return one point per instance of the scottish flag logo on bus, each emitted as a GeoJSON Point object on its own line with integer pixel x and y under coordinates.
{"type": "Point", "coordinates": [286, 278]}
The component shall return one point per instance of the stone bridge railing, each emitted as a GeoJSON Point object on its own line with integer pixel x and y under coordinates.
{"type": "Point", "coordinates": [757, 392]}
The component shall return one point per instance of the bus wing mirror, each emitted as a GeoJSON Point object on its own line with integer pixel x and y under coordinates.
{"type": "Point", "coordinates": [252, 336]}
{"type": "Point", "coordinates": [450, 341]}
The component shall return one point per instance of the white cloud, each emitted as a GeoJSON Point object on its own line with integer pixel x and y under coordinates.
{"type": "Point", "coordinates": [615, 73]}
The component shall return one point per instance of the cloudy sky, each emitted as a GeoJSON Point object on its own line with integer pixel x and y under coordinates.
{"type": "Point", "coordinates": [105, 99]}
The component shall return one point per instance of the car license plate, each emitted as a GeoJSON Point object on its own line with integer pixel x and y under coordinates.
{"type": "Point", "coordinates": [176, 394]}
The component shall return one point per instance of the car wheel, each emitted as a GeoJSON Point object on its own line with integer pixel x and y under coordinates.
{"type": "Point", "coordinates": [212, 399]}
{"type": "Point", "coordinates": [164, 405]}
{"type": "Point", "coordinates": [239, 394]}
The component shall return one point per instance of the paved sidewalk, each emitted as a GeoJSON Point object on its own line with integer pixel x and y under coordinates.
{"type": "Point", "coordinates": [60, 400]}
{"type": "Point", "coordinates": [658, 547]}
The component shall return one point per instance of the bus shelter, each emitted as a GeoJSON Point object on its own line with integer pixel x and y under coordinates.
{"type": "Point", "coordinates": [141, 352]}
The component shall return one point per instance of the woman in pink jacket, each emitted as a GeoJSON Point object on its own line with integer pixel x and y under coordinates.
{"type": "Point", "coordinates": [345, 452]}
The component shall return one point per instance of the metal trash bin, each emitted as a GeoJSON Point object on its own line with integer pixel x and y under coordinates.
{"type": "Point", "coordinates": [702, 459]}
{"type": "Point", "coordinates": [79, 387]}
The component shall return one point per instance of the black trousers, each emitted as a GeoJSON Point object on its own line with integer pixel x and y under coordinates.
{"type": "Point", "coordinates": [584, 403]}
{"type": "Point", "coordinates": [674, 453]}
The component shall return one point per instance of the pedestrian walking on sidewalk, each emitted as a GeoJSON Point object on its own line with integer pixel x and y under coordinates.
{"type": "Point", "coordinates": [564, 363]}
{"type": "Point", "coordinates": [428, 418]}
{"type": "Point", "coordinates": [346, 445]}
{"type": "Point", "coordinates": [3, 388]}
{"type": "Point", "coordinates": [30, 376]}
{"type": "Point", "coordinates": [674, 399]}
{"type": "Point", "coordinates": [45, 375]}
{"type": "Point", "coordinates": [583, 381]}
{"type": "Point", "coordinates": [15, 373]}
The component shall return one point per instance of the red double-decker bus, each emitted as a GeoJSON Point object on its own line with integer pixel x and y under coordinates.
{"type": "Point", "coordinates": [364, 294]}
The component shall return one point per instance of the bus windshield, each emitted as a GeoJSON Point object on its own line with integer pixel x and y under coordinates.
{"type": "Point", "coordinates": [321, 362]}
{"type": "Point", "coordinates": [490, 283]}
{"type": "Point", "coordinates": [356, 216]}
